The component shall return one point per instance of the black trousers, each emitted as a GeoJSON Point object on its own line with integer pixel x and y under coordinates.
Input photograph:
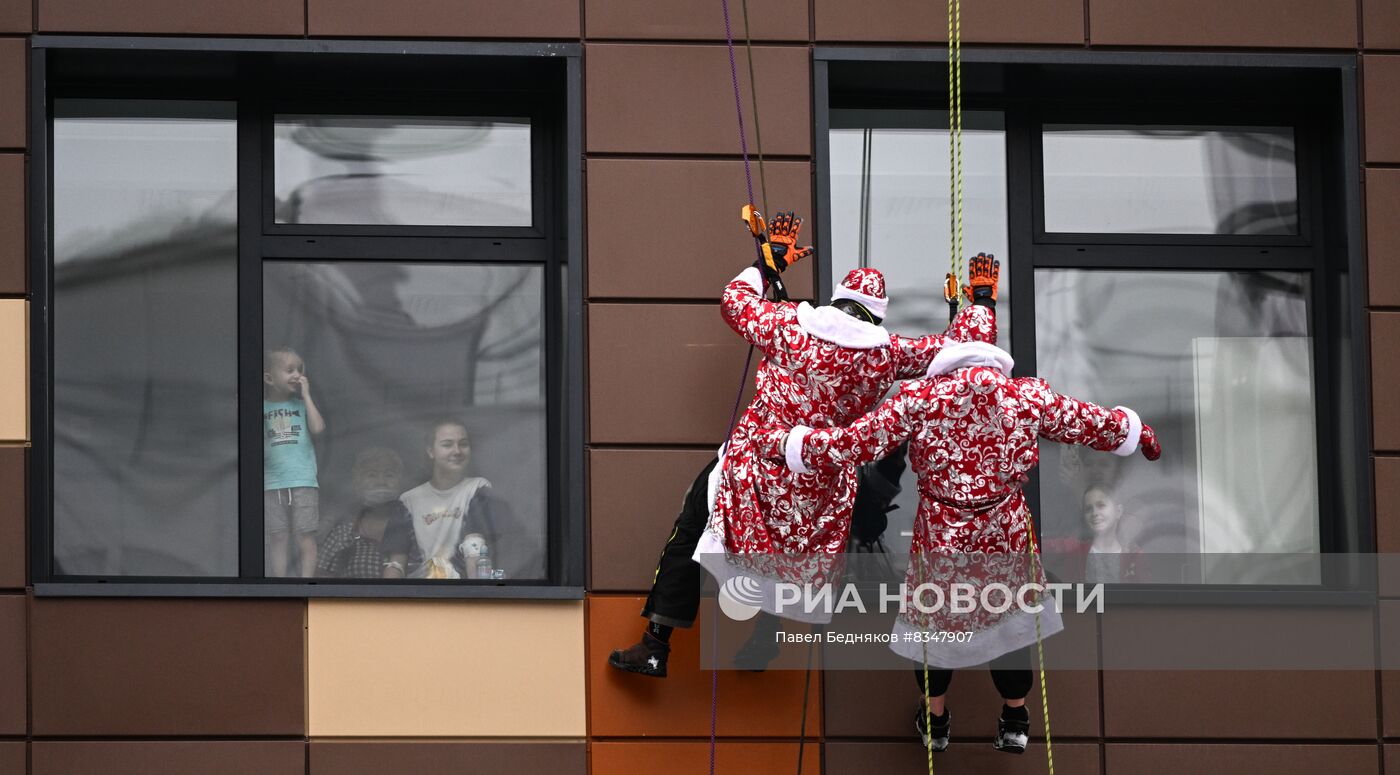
{"type": "Point", "coordinates": [675, 590]}
{"type": "Point", "coordinates": [1010, 672]}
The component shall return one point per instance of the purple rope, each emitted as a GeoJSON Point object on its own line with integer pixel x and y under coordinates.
{"type": "Point", "coordinates": [748, 359]}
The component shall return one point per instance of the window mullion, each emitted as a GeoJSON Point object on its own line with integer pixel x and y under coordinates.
{"type": "Point", "coordinates": [250, 216]}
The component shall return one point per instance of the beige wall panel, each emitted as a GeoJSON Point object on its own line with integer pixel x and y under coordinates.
{"type": "Point", "coordinates": [14, 370]}
{"type": "Point", "coordinates": [437, 668]}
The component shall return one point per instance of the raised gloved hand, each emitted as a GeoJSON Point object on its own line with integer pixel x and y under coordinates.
{"type": "Point", "coordinates": [780, 250]}
{"type": "Point", "coordinates": [1151, 448]}
{"type": "Point", "coordinates": [983, 274]}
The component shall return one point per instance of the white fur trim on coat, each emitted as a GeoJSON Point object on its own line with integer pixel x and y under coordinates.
{"type": "Point", "coordinates": [833, 325]}
{"type": "Point", "coordinates": [712, 482]}
{"type": "Point", "coordinates": [753, 278]}
{"type": "Point", "coordinates": [876, 306]}
{"type": "Point", "coordinates": [961, 355]}
{"type": "Point", "coordinates": [1130, 444]}
{"type": "Point", "coordinates": [793, 449]}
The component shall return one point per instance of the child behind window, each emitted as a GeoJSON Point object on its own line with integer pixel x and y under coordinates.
{"type": "Point", "coordinates": [291, 495]}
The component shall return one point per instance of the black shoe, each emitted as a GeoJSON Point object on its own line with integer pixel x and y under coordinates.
{"type": "Point", "coordinates": [646, 657]}
{"type": "Point", "coordinates": [756, 653]}
{"type": "Point", "coordinates": [942, 729]}
{"type": "Point", "coordinates": [1012, 735]}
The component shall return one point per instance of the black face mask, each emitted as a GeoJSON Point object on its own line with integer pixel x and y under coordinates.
{"type": "Point", "coordinates": [856, 310]}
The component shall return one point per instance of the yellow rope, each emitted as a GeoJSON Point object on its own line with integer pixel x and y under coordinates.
{"type": "Point", "coordinates": [955, 178]}
{"type": "Point", "coordinates": [1039, 644]}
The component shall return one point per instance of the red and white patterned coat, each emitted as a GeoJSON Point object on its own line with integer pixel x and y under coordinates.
{"type": "Point", "coordinates": [973, 440]}
{"type": "Point", "coordinates": [822, 368]}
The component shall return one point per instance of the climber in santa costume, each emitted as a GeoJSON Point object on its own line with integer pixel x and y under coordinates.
{"type": "Point", "coordinates": [973, 434]}
{"type": "Point", "coordinates": [822, 366]}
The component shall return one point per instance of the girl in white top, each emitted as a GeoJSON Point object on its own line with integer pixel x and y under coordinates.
{"type": "Point", "coordinates": [450, 521]}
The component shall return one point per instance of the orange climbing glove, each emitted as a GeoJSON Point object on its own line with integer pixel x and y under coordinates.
{"type": "Point", "coordinates": [983, 274]}
{"type": "Point", "coordinates": [780, 250]}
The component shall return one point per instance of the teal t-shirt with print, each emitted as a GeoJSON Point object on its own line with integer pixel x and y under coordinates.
{"type": "Point", "coordinates": [289, 459]}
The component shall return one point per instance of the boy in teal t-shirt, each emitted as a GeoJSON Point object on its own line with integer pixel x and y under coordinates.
{"type": "Point", "coordinates": [290, 491]}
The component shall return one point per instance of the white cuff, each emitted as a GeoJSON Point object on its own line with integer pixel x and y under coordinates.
{"type": "Point", "coordinates": [793, 449]}
{"type": "Point", "coordinates": [753, 277]}
{"type": "Point", "coordinates": [1130, 444]}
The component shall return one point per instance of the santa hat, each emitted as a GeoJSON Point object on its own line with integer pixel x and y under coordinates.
{"type": "Point", "coordinates": [865, 287]}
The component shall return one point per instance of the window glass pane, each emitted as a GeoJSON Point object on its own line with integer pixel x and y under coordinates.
{"type": "Point", "coordinates": [145, 325]}
{"type": "Point", "coordinates": [430, 382]}
{"type": "Point", "coordinates": [890, 210]}
{"type": "Point", "coordinates": [402, 171]}
{"type": "Point", "coordinates": [1105, 180]}
{"type": "Point", "coordinates": [1220, 365]}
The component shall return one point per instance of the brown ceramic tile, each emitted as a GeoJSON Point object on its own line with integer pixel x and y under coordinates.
{"type": "Point", "coordinates": [985, 21]}
{"type": "Point", "coordinates": [14, 261]}
{"type": "Point", "coordinates": [375, 757]}
{"type": "Point", "coordinates": [174, 17]}
{"type": "Point", "coordinates": [1392, 759]}
{"type": "Point", "coordinates": [1381, 79]}
{"type": "Point", "coordinates": [964, 758]}
{"type": "Point", "coordinates": [1385, 374]}
{"type": "Point", "coordinates": [698, 201]}
{"type": "Point", "coordinates": [1210, 704]}
{"type": "Point", "coordinates": [1148, 759]}
{"type": "Point", "coordinates": [662, 373]}
{"type": "Point", "coordinates": [693, 758]}
{"type": "Point", "coordinates": [1380, 21]}
{"type": "Point", "coordinates": [678, 99]}
{"type": "Point", "coordinates": [1383, 235]}
{"type": "Point", "coordinates": [16, 16]}
{"type": "Point", "coordinates": [13, 757]}
{"type": "Point", "coordinates": [168, 667]}
{"type": "Point", "coordinates": [625, 705]}
{"type": "Point", "coordinates": [634, 496]}
{"type": "Point", "coordinates": [445, 18]}
{"type": "Point", "coordinates": [1275, 23]}
{"type": "Point", "coordinates": [206, 757]}
{"type": "Point", "coordinates": [881, 703]}
{"type": "Point", "coordinates": [1390, 679]}
{"type": "Point", "coordinates": [13, 513]}
{"type": "Point", "coordinates": [686, 20]}
{"type": "Point", "coordinates": [14, 92]}
{"type": "Point", "coordinates": [1388, 524]}
{"type": "Point", "coordinates": [13, 665]}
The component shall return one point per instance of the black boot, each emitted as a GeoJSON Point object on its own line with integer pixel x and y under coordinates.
{"type": "Point", "coordinates": [939, 732]}
{"type": "Point", "coordinates": [646, 657]}
{"type": "Point", "coordinates": [761, 647]}
{"type": "Point", "coordinates": [1013, 730]}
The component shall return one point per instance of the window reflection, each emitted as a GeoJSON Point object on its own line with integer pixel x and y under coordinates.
{"type": "Point", "coordinates": [889, 210]}
{"type": "Point", "coordinates": [402, 171]}
{"type": "Point", "coordinates": [145, 324]}
{"type": "Point", "coordinates": [1220, 364]}
{"type": "Point", "coordinates": [429, 380]}
{"type": "Point", "coordinates": [1170, 181]}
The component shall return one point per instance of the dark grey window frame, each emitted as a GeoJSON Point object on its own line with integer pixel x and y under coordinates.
{"type": "Point", "coordinates": [554, 240]}
{"type": "Point", "coordinates": [1329, 193]}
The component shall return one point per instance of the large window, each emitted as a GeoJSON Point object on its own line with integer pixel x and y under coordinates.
{"type": "Point", "coordinates": [1172, 239]}
{"type": "Point", "coordinates": [308, 343]}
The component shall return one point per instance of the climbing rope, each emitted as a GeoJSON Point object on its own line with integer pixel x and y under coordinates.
{"type": "Point", "coordinates": [758, 249]}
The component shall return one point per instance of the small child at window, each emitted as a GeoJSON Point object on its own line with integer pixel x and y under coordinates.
{"type": "Point", "coordinates": [291, 494]}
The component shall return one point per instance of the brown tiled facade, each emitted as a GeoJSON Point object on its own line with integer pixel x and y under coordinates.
{"type": "Point", "coordinates": [210, 685]}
